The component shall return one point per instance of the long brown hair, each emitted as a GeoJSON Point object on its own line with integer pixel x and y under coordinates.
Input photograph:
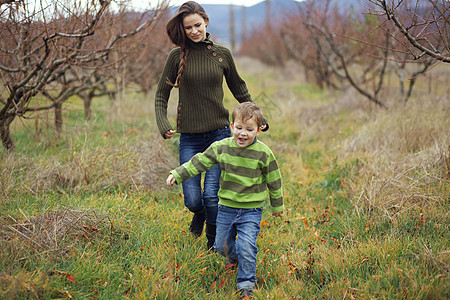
{"type": "Point", "coordinates": [177, 35]}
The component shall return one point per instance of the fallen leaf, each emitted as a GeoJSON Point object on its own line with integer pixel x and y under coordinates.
{"type": "Point", "coordinates": [70, 278]}
{"type": "Point", "coordinates": [128, 291]}
{"type": "Point", "coordinates": [304, 221]}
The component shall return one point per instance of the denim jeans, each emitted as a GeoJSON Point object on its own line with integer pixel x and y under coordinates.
{"type": "Point", "coordinates": [196, 198]}
{"type": "Point", "coordinates": [245, 224]}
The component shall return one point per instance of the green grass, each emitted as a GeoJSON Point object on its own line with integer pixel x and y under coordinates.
{"type": "Point", "coordinates": [363, 219]}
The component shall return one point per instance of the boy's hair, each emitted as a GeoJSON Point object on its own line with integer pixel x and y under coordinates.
{"type": "Point", "coordinates": [247, 111]}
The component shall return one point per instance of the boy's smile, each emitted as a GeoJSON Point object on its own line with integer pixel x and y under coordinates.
{"type": "Point", "coordinates": [244, 132]}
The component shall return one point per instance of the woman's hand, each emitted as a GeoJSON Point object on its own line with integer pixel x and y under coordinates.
{"type": "Point", "coordinates": [169, 134]}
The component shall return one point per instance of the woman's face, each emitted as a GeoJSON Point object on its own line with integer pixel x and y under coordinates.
{"type": "Point", "coordinates": [195, 27]}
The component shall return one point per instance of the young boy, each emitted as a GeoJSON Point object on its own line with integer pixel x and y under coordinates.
{"type": "Point", "coordinates": [248, 167]}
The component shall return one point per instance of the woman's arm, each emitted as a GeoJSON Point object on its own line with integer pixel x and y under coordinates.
{"type": "Point", "coordinates": [163, 93]}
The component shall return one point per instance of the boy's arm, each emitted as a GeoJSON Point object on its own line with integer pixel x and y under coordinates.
{"type": "Point", "coordinates": [199, 163]}
{"type": "Point", "coordinates": [273, 180]}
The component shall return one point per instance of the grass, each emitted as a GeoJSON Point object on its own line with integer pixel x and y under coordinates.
{"type": "Point", "coordinates": [366, 192]}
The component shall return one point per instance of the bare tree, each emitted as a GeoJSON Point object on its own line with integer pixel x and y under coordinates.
{"type": "Point", "coordinates": [305, 53]}
{"type": "Point", "coordinates": [232, 31]}
{"type": "Point", "coordinates": [424, 24]}
{"type": "Point", "coordinates": [244, 24]}
{"type": "Point", "coordinates": [419, 32]}
{"type": "Point", "coordinates": [338, 48]}
{"type": "Point", "coordinates": [330, 54]}
{"type": "Point", "coordinates": [55, 52]}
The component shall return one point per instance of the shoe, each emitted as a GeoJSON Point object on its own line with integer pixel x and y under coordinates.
{"type": "Point", "coordinates": [246, 293]}
{"type": "Point", "coordinates": [210, 235]}
{"type": "Point", "coordinates": [198, 220]}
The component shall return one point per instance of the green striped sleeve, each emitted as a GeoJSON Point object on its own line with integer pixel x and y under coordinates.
{"type": "Point", "coordinates": [199, 163]}
{"type": "Point", "coordinates": [273, 179]}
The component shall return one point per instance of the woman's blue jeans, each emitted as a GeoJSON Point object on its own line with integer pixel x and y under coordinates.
{"type": "Point", "coordinates": [245, 225]}
{"type": "Point", "coordinates": [196, 198]}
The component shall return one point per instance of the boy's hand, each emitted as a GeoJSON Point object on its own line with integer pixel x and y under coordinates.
{"type": "Point", "coordinates": [170, 180]}
{"type": "Point", "coordinates": [277, 214]}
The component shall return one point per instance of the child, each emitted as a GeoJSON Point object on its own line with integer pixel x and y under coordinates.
{"type": "Point", "coordinates": [248, 166]}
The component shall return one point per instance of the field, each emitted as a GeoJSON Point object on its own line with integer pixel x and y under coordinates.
{"type": "Point", "coordinates": [366, 191]}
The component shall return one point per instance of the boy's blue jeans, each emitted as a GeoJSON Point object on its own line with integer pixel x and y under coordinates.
{"type": "Point", "coordinates": [245, 224]}
{"type": "Point", "coordinates": [195, 198]}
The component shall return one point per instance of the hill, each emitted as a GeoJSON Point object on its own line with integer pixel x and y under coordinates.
{"type": "Point", "coordinates": [255, 16]}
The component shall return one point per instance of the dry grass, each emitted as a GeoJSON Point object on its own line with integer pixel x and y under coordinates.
{"type": "Point", "coordinates": [52, 234]}
{"type": "Point", "coordinates": [406, 154]}
{"type": "Point", "coordinates": [137, 165]}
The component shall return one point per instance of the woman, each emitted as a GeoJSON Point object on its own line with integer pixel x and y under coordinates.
{"type": "Point", "coordinates": [197, 67]}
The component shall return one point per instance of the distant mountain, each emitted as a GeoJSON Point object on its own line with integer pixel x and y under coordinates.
{"type": "Point", "coordinates": [219, 15]}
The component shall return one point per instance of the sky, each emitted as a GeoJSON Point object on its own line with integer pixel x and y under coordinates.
{"type": "Point", "coordinates": [179, 2]}
{"type": "Point", "coordinates": [145, 4]}
{"type": "Point", "coordinates": [237, 2]}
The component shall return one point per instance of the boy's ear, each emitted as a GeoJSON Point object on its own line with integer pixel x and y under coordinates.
{"type": "Point", "coordinates": [232, 125]}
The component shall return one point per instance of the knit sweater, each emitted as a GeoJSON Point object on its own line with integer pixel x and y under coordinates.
{"type": "Point", "coordinates": [246, 174]}
{"type": "Point", "coordinates": [200, 105]}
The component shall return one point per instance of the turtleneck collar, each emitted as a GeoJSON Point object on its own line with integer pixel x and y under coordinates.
{"type": "Point", "coordinates": [201, 44]}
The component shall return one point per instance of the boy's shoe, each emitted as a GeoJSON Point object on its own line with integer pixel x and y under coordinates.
{"type": "Point", "coordinates": [198, 220]}
{"type": "Point", "coordinates": [246, 293]}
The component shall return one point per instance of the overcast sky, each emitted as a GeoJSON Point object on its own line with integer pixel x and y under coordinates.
{"type": "Point", "coordinates": [145, 3]}
{"type": "Point", "coordinates": [237, 2]}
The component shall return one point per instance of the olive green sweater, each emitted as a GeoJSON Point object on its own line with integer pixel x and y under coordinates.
{"type": "Point", "coordinates": [246, 174]}
{"type": "Point", "coordinates": [200, 105]}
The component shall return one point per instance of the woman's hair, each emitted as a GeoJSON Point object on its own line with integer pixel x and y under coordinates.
{"type": "Point", "coordinates": [246, 111]}
{"type": "Point", "coordinates": [176, 33]}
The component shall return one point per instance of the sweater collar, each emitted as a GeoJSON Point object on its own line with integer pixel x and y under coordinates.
{"type": "Point", "coordinates": [202, 44]}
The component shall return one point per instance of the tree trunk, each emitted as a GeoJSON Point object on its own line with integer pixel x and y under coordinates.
{"type": "Point", "coordinates": [58, 119]}
{"type": "Point", "coordinates": [87, 100]}
{"type": "Point", "coordinates": [6, 135]}
{"type": "Point", "coordinates": [232, 32]}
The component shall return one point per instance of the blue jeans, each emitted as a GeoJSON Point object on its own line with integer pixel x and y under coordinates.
{"type": "Point", "coordinates": [245, 224]}
{"type": "Point", "coordinates": [195, 198]}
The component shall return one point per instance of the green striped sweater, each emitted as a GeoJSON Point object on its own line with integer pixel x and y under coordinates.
{"type": "Point", "coordinates": [200, 104]}
{"type": "Point", "coordinates": [246, 175]}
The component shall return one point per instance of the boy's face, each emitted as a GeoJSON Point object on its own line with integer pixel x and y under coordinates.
{"type": "Point", "coordinates": [244, 132]}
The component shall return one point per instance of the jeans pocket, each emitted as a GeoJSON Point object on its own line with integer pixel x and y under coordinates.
{"type": "Point", "coordinates": [259, 209]}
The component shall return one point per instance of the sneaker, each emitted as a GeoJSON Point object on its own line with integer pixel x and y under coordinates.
{"type": "Point", "coordinates": [197, 223]}
{"type": "Point", "coordinates": [246, 293]}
